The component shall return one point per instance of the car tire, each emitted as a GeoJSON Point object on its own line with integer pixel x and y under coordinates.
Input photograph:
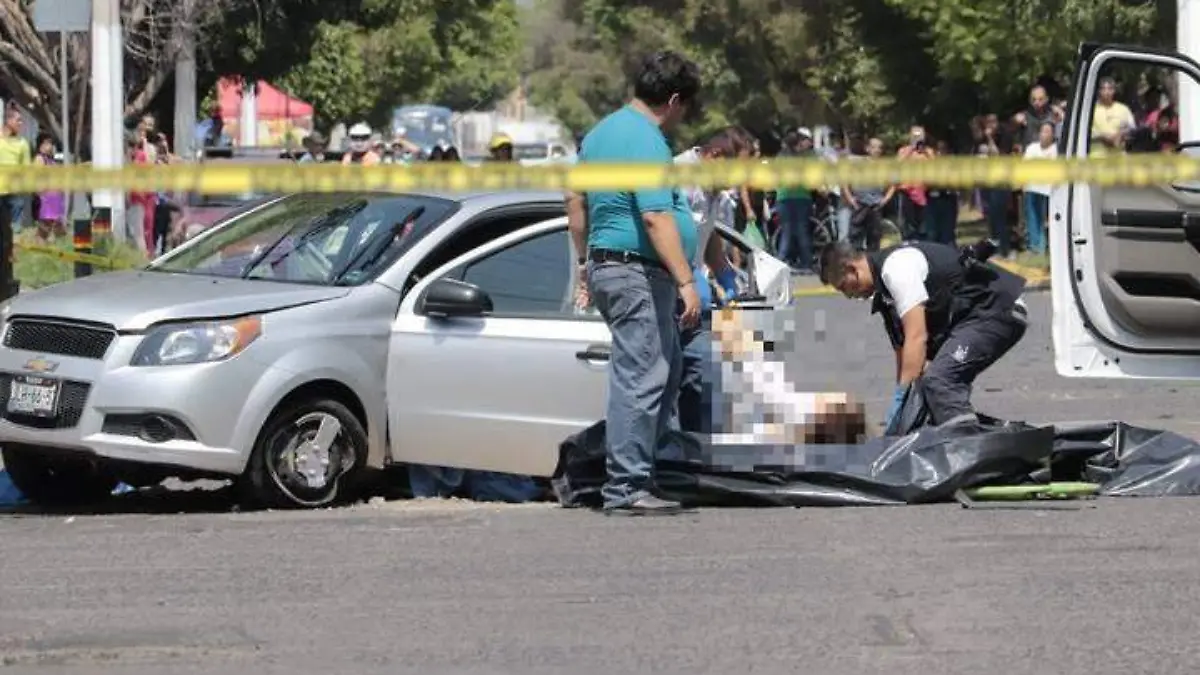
{"type": "Point", "coordinates": [288, 468]}
{"type": "Point", "coordinates": [56, 482]}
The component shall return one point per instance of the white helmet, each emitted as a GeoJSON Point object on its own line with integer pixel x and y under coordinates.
{"type": "Point", "coordinates": [360, 137]}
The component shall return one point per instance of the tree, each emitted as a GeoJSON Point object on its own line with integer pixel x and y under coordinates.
{"type": "Point", "coordinates": [30, 63]}
{"type": "Point", "coordinates": [462, 54]}
{"type": "Point", "coordinates": [870, 65]}
{"type": "Point", "coordinates": [335, 79]}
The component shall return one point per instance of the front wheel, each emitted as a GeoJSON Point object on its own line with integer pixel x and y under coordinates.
{"type": "Point", "coordinates": [52, 481]}
{"type": "Point", "coordinates": [308, 455]}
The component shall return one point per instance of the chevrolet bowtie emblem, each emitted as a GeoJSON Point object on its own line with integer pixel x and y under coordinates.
{"type": "Point", "coordinates": [40, 365]}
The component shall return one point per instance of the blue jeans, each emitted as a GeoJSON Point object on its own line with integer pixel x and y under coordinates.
{"type": "Point", "coordinates": [484, 486]}
{"type": "Point", "coordinates": [696, 383]}
{"type": "Point", "coordinates": [638, 304]}
{"type": "Point", "coordinates": [996, 205]}
{"type": "Point", "coordinates": [844, 216]}
{"type": "Point", "coordinates": [941, 219]}
{"type": "Point", "coordinates": [695, 386]}
{"type": "Point", "coordinates": [1037, 209]}
{"type": "Point", "coordinates": [795, 238]}
{"type": "Point", "coordinates": [15, 205]}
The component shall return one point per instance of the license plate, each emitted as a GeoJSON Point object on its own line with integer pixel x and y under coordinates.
{"type": "Point", "coordinates": [36, 396]}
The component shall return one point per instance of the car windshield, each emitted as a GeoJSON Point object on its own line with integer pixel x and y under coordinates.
{"type": "Point", "coordinates": [531, 151]}
{"type": "Point", "coordinates": [423, 127]}
{"type": "Point", "coordinates": [326, 239]}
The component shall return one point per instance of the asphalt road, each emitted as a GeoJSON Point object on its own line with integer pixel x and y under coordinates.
{"type": "Point", "coordinates": [453, 587]}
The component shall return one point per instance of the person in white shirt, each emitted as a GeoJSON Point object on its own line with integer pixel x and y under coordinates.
{"type": "Point", "coordinates": [1037, 197]}
{"type": "Point", "coordinates": [949, 317]}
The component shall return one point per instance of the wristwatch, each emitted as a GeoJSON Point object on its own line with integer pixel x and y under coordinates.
{"type": "Point", "coordinates": [582, 260]}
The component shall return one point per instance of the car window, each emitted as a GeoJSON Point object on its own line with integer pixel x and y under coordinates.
{"type": "Point", "coordinates": [478, 232]}
{"type": "Point", "coordinates": [532, 278]}
{"type": "Point", "coordinates": [312, 239]}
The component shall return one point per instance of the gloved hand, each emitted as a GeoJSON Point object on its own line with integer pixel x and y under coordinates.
{"type": "Point", "coordinates": [727, 278]}
{"type": "Point", "coordinates": [897, 403]}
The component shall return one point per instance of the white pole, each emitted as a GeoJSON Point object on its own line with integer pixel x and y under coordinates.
{"type": "Point", "coordinates": [185, 141]}
{"type": "Point", "coordinates": [108, 104]}
{"type": "Point", "coordinates": [66, 96]}
{"type": "Point", "coordinates": [1187, 42]}
{"type": "Point", "coordinates": [249, 116]}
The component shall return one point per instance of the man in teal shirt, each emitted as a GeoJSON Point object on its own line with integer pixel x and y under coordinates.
{"type": "Point", "coordinates": [639, 247]}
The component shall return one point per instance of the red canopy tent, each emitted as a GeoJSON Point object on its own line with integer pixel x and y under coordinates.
{"type": "Point", "coordinates": [280, 111]}
{"type": "Point", "coordinates": [272, 103]}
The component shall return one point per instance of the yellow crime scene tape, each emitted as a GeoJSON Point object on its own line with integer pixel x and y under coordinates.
{"type": "Point", "coordinates": [72, 256]}
{"type": "Point", "coordinates": [957, 172]}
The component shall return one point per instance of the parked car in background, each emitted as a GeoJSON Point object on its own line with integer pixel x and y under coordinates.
{"type": "Point", "coordinates": [534, 154]}
{"type": "Point", "coordinates": [310, 339]}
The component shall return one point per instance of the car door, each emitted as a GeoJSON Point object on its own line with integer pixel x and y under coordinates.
{"type": "Point", "coordinates": [1125, 261]}
{"type": "Point", "coordinates": [770, 276]}
{"type": "Point", "coordinates": [502, 391]}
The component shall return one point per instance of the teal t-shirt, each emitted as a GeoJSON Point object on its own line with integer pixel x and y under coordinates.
{"type": "Point", "coordinates": [615, 218]}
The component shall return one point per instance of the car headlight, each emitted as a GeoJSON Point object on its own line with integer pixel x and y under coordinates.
{"type": "Point", "coordinates": [181, 344]}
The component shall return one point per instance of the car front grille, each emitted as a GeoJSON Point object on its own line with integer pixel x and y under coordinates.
{"type": "Point", "coordinates": [55, 337]}
{"type": "Point", "coordinates": [71, 401]}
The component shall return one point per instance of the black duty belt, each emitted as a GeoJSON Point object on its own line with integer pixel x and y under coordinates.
{"type": "Point", "coordinates": [602, 255]}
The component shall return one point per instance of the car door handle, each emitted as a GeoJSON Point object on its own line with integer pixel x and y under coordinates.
{"type": "Point", "coordinates": [595, 353]}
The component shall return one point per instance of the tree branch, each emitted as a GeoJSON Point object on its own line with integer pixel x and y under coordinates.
{"type": "Point", "coordinates": [15, 19]}
{"type": "Point", "coordinates": [40, 80]}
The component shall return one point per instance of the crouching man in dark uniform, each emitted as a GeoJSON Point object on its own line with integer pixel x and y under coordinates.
{"type": "Point", "coordinates": [948, 313]}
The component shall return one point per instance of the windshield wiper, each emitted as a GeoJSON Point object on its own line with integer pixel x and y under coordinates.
{"type": "Point", "coordinates": [369, 255]}
{"type": "Point", "coordinates": [333, 218]}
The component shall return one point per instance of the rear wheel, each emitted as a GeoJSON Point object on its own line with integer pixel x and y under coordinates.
{"type": "Point", "coordinates": [49, 480]}
{"type": "Point", "coordinates": [308, 455]}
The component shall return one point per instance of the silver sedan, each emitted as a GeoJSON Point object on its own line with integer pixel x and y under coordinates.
{"type": "Point", "coordinates": [307, 341]}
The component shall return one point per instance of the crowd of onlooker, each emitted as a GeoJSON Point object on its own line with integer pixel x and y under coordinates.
{"type": "Point", "coordinates": [786, 218]}
{"type": "Point", "coordinates": [1017, 219]}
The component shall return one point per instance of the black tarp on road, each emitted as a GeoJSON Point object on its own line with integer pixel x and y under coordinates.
{"type": "Point", "coordinates": [928, 465]}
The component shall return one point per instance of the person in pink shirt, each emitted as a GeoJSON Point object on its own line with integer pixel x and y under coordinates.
{"type": "Point", "coordinates": [913, 198]}
{"type": "Point", "coordinates": [148, 201]}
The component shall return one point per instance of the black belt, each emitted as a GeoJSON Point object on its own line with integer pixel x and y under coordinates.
{"type": "Point", "coordinates": [602, 255]}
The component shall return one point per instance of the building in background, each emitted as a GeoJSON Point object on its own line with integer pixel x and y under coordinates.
{"type": "Point", "coordinates": [539, 137]}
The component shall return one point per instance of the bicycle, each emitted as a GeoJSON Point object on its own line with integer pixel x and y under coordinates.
{"type": "Point", "coordinates": [822, 223]}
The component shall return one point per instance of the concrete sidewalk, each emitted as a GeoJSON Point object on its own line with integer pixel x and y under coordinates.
{"type": "Point", "coordinates": [810, 286]}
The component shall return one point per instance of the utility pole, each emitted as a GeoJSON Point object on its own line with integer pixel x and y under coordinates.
{"type": "Point", "coordinates": [185, 85]}
{"type": "Point", "coordinates": [108, 109]}
{"type": "Point", "coordinates": [249, 118]}
{"type": "Point", "coordinates": [1187, 42]}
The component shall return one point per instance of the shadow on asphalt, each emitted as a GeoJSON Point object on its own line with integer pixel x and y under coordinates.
{"type": "Point", "coordinates": [175, 497]}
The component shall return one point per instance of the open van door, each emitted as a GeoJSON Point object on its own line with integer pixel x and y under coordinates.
{"type": "Point", "coordinates": [1125, 261]}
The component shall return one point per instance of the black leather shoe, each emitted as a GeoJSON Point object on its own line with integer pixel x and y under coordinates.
{"type": "Point", "coordinates": [647, 506]}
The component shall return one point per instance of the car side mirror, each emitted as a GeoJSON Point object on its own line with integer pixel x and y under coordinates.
{"type": "Point", "coordinates": [447, 298]}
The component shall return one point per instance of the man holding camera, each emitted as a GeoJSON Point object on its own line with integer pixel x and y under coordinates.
{"type": "Point", "coordinates": [948, 313]}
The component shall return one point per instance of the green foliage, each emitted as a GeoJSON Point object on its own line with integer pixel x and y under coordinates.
{"type": "Point", "coordinates": [334, 79]}
{"type": "Point", "coordinates": [37, 270]}
{"type": "Point", "coordinates": [357, 59]}
{"type": "Point", "coordinates": [870, 65]}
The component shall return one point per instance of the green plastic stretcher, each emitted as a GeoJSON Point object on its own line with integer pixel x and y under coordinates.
{"type": "Point", "coordinates": [1025, 495]}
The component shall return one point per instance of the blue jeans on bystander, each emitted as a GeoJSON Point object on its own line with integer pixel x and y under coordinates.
{"type": "Point", "coordinates": [638, 302]}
